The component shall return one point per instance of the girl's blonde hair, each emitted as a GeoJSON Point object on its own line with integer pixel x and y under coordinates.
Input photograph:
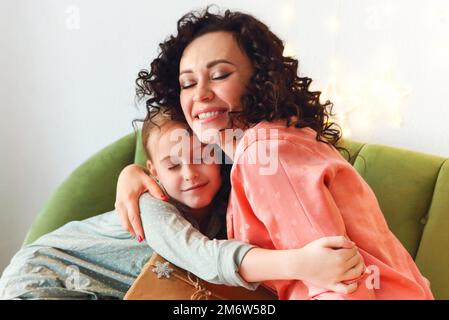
{"type": "Point", "coordinates": [156, 121]}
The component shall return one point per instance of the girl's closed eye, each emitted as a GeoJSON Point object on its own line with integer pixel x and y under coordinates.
{"type": "Point", "coordinates": [174, 166]}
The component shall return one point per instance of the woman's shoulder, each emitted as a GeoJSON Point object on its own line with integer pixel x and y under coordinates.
{"type": "Point", "coordinates": [278, 131]}
{"type": "Point", "coordinates": [284, 141]}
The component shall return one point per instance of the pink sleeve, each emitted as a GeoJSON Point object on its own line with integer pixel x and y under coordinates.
{"type": "Point", "coordinates": [293, 202]}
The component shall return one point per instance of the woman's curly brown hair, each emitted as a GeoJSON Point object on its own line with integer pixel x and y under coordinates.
{"type": "Point", "coordinates": [275, 91]}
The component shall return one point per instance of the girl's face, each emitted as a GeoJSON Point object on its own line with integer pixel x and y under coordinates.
{"type": "Point", "coordinates": [190, 181]}
{"type": "Point", "coordinates": [213, 75]}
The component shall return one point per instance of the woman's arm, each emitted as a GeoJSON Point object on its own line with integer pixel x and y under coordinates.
{"type": "Point", "coordinates": [132, 182]}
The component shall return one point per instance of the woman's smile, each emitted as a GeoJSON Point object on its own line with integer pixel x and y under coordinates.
{"type": "Point", "coordinates": [209, 116]}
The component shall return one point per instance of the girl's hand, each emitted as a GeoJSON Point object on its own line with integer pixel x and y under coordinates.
{"type": "Point", "coordinates": [327, 263]}
{"type": "Point", "coordinates": [132, 183]}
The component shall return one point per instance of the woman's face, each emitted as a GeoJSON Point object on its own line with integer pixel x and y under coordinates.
{"type": "Point", "coordinates": [213, 74]}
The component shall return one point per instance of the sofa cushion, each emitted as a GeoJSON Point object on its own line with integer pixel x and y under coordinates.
{"type": "Point", "coordinates": [403, 182]}
{"type": "Point", "coordinates": [433, 253]}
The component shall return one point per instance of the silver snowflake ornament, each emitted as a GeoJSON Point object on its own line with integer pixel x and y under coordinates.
{"type": "Point", "coordinates": [162, 270]}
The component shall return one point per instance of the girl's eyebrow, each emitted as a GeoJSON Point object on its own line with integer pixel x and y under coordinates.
{"type": "Point", "coordinates": [210, 65]}
{"type": "Point", "coordinates": [165, 158]}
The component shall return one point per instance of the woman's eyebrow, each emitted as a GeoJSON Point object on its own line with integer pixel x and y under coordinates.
{"type": "Point", "coordinates": [210, 65]}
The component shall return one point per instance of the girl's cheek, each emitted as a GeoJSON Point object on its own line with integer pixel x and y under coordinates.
{"type": "Point", "coordinates": [214, 174]}
{"type": "Point", "coordinates": [171, 180]}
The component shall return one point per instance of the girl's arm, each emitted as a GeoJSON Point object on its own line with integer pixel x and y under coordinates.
{"type": "Point", "coordinates": [236, 263]}
{"type": "Point", "coordinates": [326, 262]}
{"type": "Point", "coordinates": [173, 237]}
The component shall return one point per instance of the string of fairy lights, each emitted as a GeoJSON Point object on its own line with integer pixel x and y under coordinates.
{"type": "Point", "coordinates": [361, 98]}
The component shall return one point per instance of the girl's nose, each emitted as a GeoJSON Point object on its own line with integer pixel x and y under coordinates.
{"type": "Point", "coordinates": [190, 174]}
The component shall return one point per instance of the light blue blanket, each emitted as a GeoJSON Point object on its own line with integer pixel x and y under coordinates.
{"type": "Point", "coordinates": [97, 259]}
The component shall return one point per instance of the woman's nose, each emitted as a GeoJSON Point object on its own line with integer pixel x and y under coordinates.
{"type": "Point", "coordinates": [202, 93]}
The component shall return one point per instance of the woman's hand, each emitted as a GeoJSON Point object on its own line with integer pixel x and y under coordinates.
{"type": "Point", "coordinates": [327, 263]}
{"type": "Point", "coordinates": [133, 181]}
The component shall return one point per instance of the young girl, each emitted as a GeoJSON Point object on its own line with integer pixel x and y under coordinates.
{"type": "Point", "coordinates": [227, 74]}
{"type": "Point", "coordinates": [97, 259]}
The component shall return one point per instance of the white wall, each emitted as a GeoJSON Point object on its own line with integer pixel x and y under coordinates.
{"type": "Point", "coordinates": [67, 71]}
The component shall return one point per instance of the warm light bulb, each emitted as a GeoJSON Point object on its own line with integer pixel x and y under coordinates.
{"type": "Point", "coordinates": [333, 64]}
{"type": "Point", "coordinates": [288, 50]}
{"type": "Point", "coordinates": [347, 133]}
{"type": "Point", "coordinates": [333, 24]}
{"type": "Point", "coordinates": [288, 12]}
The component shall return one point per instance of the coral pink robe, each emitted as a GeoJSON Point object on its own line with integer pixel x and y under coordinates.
{"type": "Point", "coordinates": [306, 191]}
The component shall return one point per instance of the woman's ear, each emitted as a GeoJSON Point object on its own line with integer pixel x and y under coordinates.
{"type": "Point", "coordinates": [151, 168]}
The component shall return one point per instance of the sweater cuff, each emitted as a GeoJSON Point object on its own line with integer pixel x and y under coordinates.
{"type": "Point", "coordinates": [229, 259]}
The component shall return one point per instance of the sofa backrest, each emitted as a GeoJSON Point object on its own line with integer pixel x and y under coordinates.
{"type": "Point", "coordinates": [413, 192]}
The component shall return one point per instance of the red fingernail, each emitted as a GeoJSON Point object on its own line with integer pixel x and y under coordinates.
{"type": "Point", "coordinates": [164, 197]}
{"type": "Point", "coordinates": [139, 239]}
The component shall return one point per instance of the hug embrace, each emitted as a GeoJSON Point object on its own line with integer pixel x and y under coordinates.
{"type": "Point", "coordinates": [260, 194]}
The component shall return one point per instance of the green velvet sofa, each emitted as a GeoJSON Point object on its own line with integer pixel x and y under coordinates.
{"type": "Point", "coordinates": [412, 189]}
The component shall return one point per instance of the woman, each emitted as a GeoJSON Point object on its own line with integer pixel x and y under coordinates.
{"type": "Point", "coordinates": [227, 73]}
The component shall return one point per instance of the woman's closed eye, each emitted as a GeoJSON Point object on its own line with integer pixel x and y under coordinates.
{"type": "Point", "coordinates": [173, 166]}
{"type": "Point", "coordinates": [187, 86]}
{"type": "Point", "coordinates": [223, 76]}
{"type": "Point", "coordinates": [219, 77]}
